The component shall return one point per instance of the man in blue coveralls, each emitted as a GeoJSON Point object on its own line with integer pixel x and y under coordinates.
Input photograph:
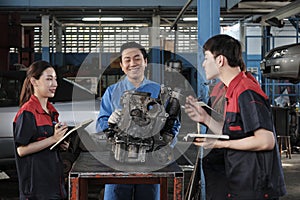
{"type": "Point", "coordinates": [133, 63]}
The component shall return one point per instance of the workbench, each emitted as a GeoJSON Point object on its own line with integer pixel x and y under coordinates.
{"type": "Point", "coordinates": [87, 167]}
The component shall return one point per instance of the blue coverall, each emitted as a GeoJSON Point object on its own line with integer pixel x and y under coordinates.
{"type": "Point", "coordinates": [109, 103]}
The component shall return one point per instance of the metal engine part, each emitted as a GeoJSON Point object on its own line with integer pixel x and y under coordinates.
{"type": "Point", "coordinates": [143, 116]}
{"type": "Point", "coordinates": [145, 126]}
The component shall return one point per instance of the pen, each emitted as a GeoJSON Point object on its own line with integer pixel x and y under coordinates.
{"type": "Point", "coordinates": [59, 124]}
{"type": "Point", "coordinates": [201, 103]}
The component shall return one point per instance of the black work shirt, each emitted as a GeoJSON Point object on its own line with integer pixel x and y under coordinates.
{"type": "Point", "coordinates": [40, 174]}
{"type": "Point", "coordinates": [251, 174]}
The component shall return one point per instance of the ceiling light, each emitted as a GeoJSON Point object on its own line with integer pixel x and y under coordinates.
{"type": "Point", "coordinates": [90, 19]}
{"type": "Point", "coordinates": [106, 19]}
{"type": "Point", "coordinates": [111, 19]}
{"type": "Point", "coordinates": [189, 19]}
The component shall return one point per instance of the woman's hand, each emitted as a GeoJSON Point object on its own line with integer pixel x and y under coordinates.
{"type": "Point", "coordinates": [59, 131]}
{"type": "Point", "coordinates": [65, 145]}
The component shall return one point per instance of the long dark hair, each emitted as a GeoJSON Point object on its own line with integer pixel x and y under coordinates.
{"type": "Point", "coordinates": [35, 70]}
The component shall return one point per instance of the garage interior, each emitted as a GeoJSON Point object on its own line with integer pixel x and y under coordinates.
{"type": "Point", "coordinates": [69, 33]}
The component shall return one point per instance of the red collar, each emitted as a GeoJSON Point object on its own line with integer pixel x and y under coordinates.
{"type": "Point", "coordinates": [234, 83]}
{"type": "Point", "coordinates": [237, 80]}
{"type": "Point", "coordinates": [39, 108]}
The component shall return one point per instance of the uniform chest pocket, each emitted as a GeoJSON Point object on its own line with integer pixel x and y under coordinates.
{"type": "Point", "coordinates": [234, 127]}
{"type": "Point", "coordinates": [44, 132]}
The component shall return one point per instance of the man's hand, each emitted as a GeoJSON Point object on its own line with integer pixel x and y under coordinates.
{"type": "Point", "coordinates": [195, 111]}
{"type": "Point", "coordinates": [110, 133]}
{"type": "Point", "coordinates": [207, 143]}
{"type": "Point", "coordinates": [115, 117]}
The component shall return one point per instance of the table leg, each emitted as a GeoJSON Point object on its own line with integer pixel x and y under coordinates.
{"type": "Point", "coordinates": [83, 189]}
{"type": "Point", "coordinates": [178, 188]}
{"type": "Point", "coordinates": [73, 188]}
{"type": "Point", "coordinates": [78, 188]}
{"type": "Point", "coordinates": [164, 188]}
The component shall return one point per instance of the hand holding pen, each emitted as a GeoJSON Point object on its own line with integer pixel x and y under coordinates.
{"type": "Point", "coordinates": [195, 111]}
{"type": "Point", "coordinates": [60, 129]}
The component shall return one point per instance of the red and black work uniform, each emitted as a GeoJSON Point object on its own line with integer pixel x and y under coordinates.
{"type": "Point", "coordinates": [40, 174]}
{"type": "Point", "coordinates": [251, 174]}
{"type": "Point", "coordinates": [213, 163]}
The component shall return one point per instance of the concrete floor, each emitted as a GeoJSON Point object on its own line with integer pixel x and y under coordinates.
{"type": "Point", "coordinates": [9, 187]}
{"type": "Point", "coordinates": [291, 169]}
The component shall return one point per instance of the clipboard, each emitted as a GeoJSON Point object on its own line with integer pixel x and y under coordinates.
{"type": "Point", "coordinates": [191, 136]}
{"type": "Point", "coordinates": [83, 124]}
{"type": "Point", "coordinates": [212, 112]}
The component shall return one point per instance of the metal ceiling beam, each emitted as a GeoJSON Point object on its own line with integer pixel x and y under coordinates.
{"type": "Point", "coordinates": [92, 3]}
{"type": "Point", "coordinates": [228, 4]}
{"type": "Point", "coordinates": [262, 4]}
{"type": "Point", "coordinates": [231, 3]}
{"type": "Point", "coordinates": [283, 12]}
{"type": "Point", "coordinates": [67, 11]}
{"type": "Point", "coordinates": [188, 3]}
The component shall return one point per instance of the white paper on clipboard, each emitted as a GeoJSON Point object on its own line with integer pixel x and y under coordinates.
{"type": "Point", "coordinates": [81, 125]}
{"type": "Point", "coordinates": [191, 136]}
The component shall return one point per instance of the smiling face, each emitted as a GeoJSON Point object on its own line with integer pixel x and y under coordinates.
{"type": "Point", "coordinates": [133, 64]}
{"type": "Point", "coordinates": [46, 85]}
{"type": "Point", "coordinates": [210, 66]}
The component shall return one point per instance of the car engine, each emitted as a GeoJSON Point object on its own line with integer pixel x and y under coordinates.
{"type": "Point", "coordinates": [145, 126]}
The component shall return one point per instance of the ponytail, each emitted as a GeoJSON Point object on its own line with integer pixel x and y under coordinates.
{"type": "Point", "coordinates": [26, 92]}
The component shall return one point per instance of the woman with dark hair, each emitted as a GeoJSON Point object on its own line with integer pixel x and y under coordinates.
{"type": "Point", "coordinates": [36, 128]}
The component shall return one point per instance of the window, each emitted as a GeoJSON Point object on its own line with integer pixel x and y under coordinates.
{"type": "Point", "coordinates": [109, 38]}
